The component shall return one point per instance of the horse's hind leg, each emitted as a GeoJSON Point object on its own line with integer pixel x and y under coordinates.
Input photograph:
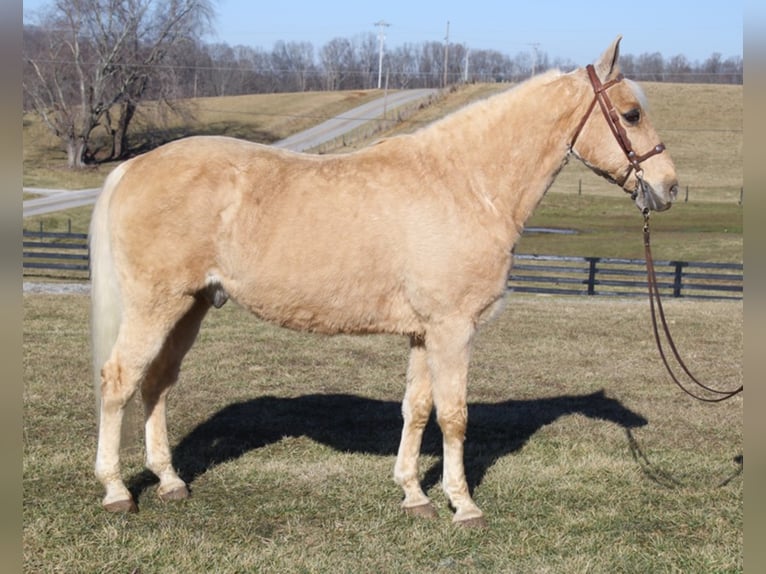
{"type": "Point", "coordinates": [416, 409]}
{"type": "Point", "coordinates": [160, 378]}
{"type": "Point", "coordinates": [118, 384]}
{"type": "Point", "coordinates": [142, 335]}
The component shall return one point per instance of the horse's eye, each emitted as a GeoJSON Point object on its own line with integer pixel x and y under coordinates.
{"type": "Point", "coordinates": [633, 116]}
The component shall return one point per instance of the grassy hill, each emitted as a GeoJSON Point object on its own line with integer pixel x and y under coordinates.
{"type": "Point", "coordinates": [700, 124]}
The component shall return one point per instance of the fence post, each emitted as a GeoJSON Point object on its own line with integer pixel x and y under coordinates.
{"type": "Point", "coordinates": [677, 278]}
{"type": "Point", "coordinates": [741, 195]}
{"type": "Point", "coordinates": [686, 199]}
{"type": "Point", "coordinates": [579, 187]}
{"type": "Point", "coordinates": [592, 275]}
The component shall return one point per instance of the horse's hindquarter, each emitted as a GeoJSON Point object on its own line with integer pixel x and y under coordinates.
{"type": "Point", "coordinates": [358, 243]}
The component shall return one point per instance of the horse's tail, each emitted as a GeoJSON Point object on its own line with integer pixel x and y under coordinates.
{"type": "Point", "coordinates": [106, 305]}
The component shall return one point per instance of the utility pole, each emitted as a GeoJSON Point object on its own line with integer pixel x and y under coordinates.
{"type": "Point", "coordinates": [535, 46]}
{"type": "Point", "coordinates": [381, 24]}
{"type": "Point", "coordinates": [446, 55]}
{"type": "Point", "coordinates": [465, 68]}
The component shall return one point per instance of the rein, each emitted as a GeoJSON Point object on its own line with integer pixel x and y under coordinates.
{"type": "Point", "coordinates": [654, 294]}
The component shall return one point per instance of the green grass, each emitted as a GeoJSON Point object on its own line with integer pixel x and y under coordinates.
{"type": "Point", "coordinates": [612, 227]}
{"type": "Point", "coordinates": [583, 455]}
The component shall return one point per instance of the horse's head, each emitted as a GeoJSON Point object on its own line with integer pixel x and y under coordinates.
{"type": "Point", "coordinates": [616, 139]}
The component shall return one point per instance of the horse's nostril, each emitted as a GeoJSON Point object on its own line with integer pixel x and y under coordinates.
{"type": "Point", "coordinates": [674, 192]}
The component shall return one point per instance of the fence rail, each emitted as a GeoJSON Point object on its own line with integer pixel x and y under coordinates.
{"type": "Point", "coordinates": [623, 277]}
{"type": "Point", "coordinates": [67, 255]}
{"type": "Point", "coordinates": [64, 255]}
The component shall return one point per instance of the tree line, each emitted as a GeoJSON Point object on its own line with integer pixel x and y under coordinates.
{"type": "Point", "coordinates": [352, 63]}
{"type": "Point", "coordinates": [88, 65]}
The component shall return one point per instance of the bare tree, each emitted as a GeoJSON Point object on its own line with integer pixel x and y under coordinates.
{"type": "Point", "coordinates": [678, 69]}
{"type": "Point", "coordinates": [98, 61]}
{"type": "Point", "coordinates": [225, 70]}
{"type": "Point", "coordinates": [294, 61]}
{"type": "Point", "coordinates": [338, 59]}
{"type": "Point", "coordinates": [651, 67]}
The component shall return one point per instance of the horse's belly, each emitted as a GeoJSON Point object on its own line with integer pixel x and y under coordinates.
{"type": "Point", "coordinates": [330, 307]}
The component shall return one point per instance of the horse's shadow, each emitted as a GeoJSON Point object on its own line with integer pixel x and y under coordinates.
{"type": "Point", "coordinates": [356, 424]}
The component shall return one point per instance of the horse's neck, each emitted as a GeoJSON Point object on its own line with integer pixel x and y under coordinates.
{"type": "Point", "coordinates": [514, 144]}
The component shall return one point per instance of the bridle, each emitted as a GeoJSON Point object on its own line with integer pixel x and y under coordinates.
{"type": "Point", "coordinates": [613, 121]}
{"type": "Point", "coordinates": [615, 125]}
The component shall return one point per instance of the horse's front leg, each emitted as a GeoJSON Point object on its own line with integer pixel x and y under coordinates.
{"type": "Point", "coordinates": [416, 408]}
{"type": "Point", "coordinates": [448, 348]}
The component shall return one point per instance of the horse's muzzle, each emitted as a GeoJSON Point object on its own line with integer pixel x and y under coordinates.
{"type": "Point", "coordinates": [655, 199]}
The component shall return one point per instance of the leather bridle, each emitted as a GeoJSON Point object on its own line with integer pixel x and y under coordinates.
{"type": "Point", "coordinates": [613, 121]}
{"type": "Point", "coordinates": [634, 160]}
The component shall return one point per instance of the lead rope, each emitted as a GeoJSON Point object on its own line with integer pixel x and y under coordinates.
{"type": "Point", "coordinates": [654, 294]}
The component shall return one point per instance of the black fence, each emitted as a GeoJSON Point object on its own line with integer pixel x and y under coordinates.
{"type": "Point", "coordinates": [623, 277]}
{"type": "Point", "coordinates": [56, 254]}
{"type": "Point", "coordinates": [66, 255]}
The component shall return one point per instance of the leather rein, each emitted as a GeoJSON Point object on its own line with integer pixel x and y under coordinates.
{"type": "Point", "coordinates": [613, 120]}
{"type": "Point", "coordinates": [654, 295]}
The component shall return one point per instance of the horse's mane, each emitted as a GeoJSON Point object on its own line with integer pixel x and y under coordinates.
{"type": "Point", "coordinates": [513, 92]}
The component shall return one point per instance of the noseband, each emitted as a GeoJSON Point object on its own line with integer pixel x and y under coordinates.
{"type": "Point", "coordinates": [613, 121]}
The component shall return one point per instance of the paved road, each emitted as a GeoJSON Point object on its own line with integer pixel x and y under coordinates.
{"type": "Point", "coordinates": [351, 119]}
{"type": "Point", "coordinates": [60, 199]}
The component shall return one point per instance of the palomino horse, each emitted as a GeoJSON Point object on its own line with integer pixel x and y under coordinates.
{"type": "Point", "coordinates": [411, 236]}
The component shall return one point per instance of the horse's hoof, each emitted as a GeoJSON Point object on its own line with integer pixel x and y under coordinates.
{"type": "Point", "coordinates": [178, 493]}
{"type": "Point", "coordinates": [426, 510]}
{"type": "Point", "coordinates": [121, 506]}
{"type": "Point", "coordinates": [476, 522]}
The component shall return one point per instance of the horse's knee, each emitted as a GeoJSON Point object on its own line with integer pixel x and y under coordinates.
{"type": "Point", "coordinates": [452, 422]}
{"type": "Point", "coordinates": [417, 411]}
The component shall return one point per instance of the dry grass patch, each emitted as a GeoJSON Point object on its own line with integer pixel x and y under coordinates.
{"type": "Point", "coordinates": [262, 118]}
{"type": "Point", "coordinates": [701, 124]}
{"type": "Point", "coordinates": [581, 452]}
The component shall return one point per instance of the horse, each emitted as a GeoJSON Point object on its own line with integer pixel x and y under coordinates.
{"type": "Point", "coordinates": [410, 236]}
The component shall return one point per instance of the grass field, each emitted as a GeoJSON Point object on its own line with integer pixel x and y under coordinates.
{"type": "Point", "coordinates": [583, 455]}
{"type": "Point", "coordinates": [580, 451]}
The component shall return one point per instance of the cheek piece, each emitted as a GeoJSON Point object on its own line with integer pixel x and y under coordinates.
{"type": "Point", "coordinates": [618, 131]}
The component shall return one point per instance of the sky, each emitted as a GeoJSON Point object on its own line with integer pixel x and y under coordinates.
{"type": "Point", "coordinates": [563, 29]}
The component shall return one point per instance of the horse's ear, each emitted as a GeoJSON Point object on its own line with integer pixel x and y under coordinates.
{"type": "Point", "coordinates": [607, 66]}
